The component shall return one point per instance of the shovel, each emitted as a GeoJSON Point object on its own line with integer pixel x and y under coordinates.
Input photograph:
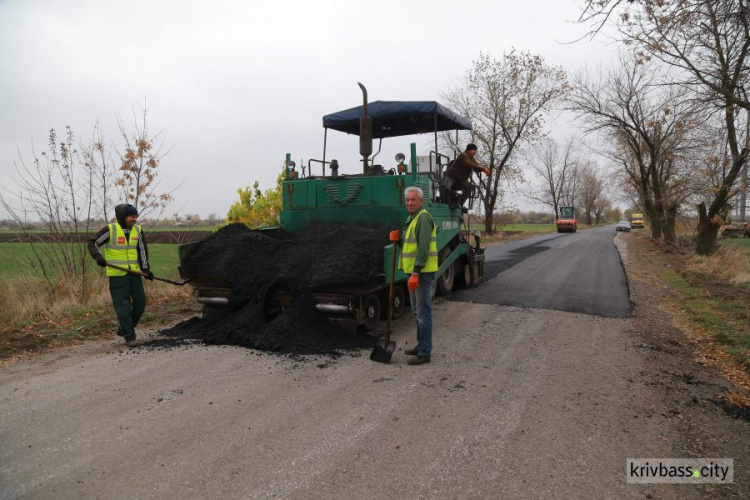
{"type": "Point", "coordinates": [384, 348]}
{"type": "Point", "coordinates": [138, 273]}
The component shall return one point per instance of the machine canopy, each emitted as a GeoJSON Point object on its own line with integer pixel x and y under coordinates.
{"type": "Point", "coordinates": [397, 118]}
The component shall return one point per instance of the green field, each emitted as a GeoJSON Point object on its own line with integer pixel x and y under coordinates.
{"type": "Point", "coordinates": [17, 258]}
{"type": "Point", "coordinates": [740, 242]}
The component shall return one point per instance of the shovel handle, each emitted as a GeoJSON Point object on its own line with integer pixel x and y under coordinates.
{"type": "Point", "coordinates": [144, 275]}
{"type": "Point", "coordinates": [125, 269]}
{"type": "Point", "coordinates": [391, 293]}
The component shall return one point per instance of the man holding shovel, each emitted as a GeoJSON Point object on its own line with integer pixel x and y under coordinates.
{"type": "Point", "coordinates": [124, 247]}
{"type": "Point", "coordinates": [419, 259]}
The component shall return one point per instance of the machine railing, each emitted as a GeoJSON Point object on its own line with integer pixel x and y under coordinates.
{"type": "Point", "coordinates": [437, 174]}
{"type": "Point", "coordinates": [322, 162]}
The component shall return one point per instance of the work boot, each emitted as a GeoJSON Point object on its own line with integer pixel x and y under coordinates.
{"type": "Point", "coordinates": [130, 341]}
{"type": "Point", "coordinates": [411, 352]}
{"type": "Point", "coordinates": [419, 360]}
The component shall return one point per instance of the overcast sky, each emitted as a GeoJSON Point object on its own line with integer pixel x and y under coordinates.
{"type": "Point", "coordinates": [235, 85]}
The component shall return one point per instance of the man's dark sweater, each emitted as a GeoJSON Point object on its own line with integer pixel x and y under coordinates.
{"type": "Point", "coordinates": [462, 166]}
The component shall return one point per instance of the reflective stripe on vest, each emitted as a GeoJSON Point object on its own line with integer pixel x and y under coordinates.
{"type": "Point", "coordinates": [122, 251]}
{"type": "Point", "coordinates": [409, 252]}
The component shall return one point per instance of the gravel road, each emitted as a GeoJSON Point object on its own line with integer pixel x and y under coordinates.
{"type": "Point", "coordinates": [517, 403]}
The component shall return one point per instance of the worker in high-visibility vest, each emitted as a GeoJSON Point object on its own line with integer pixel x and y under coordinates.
{"type": "Point", "coordinates": [419, 259]}
{"type": "Point", "coordinates": [125, 247]}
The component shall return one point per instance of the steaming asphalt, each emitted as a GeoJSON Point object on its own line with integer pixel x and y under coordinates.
{"type": "Point", "coordinates": [574, 272]}
{"type": "Point", "coordinates": [518, 402]}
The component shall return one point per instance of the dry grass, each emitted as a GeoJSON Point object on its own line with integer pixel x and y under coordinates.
{"type": "Point", "coordinates": [24, 299]}
{"type": "Point", "coordinates": [729, 262]}
{"type": "Point", "coordinates": [34, 318]}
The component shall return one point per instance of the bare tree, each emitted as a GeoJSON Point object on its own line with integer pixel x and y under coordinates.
{"type": "Point", "coordinates": [645, 124]}
{"type": "Point", "coordinates": [603, 203]}
{"type": "Point", "coordinates": [591, 191]}
{"type": "Point", "coordinates": [557, 172]}
{"type": "Point", "coordinates": [138, 169]}
{"type": "Point", "coordinates": [506, 99]}
{"type": "Point", "coordinates": [65, 190]}
{"type": "Point", "coordinates": [102, 171]}
{"type": "Point", "coordinates": [55, 190]}
{"type": "Point", "coordinates": [707, 44]}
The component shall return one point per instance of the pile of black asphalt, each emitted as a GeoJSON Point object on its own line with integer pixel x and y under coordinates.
{"type": "Point", "coordinates": [251, 261]}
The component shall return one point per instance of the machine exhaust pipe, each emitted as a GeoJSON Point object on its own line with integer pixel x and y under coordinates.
{"type": "Point", "coordinates": [365, 133]}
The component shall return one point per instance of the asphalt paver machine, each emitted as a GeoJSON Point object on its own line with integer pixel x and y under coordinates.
{"type": "Point", "coordinates": [372, 197]}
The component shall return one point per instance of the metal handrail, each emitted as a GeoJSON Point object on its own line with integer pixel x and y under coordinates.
{"type": "Point", "coordinates": [309, 170]}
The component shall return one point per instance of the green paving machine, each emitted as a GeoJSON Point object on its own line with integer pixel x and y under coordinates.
{"type": "Point", "coordinates": [373, 197]}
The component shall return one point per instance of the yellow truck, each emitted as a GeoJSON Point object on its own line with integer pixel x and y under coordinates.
{"type": "Point", "coordinates": [636, 221]}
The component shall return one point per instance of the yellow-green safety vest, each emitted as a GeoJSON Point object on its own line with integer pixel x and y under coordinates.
{"type": "Point", "coordinates": [409, 252]}
{"type": "Point", "coordinates": [122, 251]}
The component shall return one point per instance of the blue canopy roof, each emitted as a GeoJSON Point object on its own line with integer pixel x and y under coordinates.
{"type": "Point", "coordinates": [397, 118]}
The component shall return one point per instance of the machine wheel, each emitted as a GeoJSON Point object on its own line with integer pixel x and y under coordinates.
{"type": "Point", "coordinates": [399, 302]}
{"type": "Point", "coordinates": [459, 282]}
{"type": "Point", "coordinates": [445, 281]}
{"type": "Point", "coordinates": [371, 313]}
{"type": "Point", "coordinates": [277, 298]}
{"type": "Point", "coordinates": [468, 282]}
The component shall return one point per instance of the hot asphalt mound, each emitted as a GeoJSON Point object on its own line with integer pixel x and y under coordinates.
{"type": "Point", "coordinates": [251, 261]}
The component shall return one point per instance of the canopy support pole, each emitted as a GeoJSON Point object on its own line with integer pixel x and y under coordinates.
{"type": "Point", "coordinates": [325, 140]}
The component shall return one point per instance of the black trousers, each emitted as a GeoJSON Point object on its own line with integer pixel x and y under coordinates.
{"type": "Point", "coordinates": [454, 186]}
{"type": "Point", "coordinates": [129, 300]}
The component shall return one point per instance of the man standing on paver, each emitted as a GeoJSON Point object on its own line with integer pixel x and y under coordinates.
{"type": "Point", "coordinates": [124, 246]}
{"type": "Point", "coordinates": [419, 258]}
{"type": "Point", "coordinates": [458, 174]}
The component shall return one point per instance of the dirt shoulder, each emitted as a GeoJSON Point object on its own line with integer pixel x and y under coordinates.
{"type": "Point", "coordinates": [698, 397]}
{"type": "Point", "coordinates": [26, 342]}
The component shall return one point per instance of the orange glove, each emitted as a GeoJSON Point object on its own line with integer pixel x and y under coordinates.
{"type": "Point", "coordinates": [413, 283]}
{"type": "Point", "coordinates": [394, 235]}
{"type": "Point", "coordinates": [486, 171]}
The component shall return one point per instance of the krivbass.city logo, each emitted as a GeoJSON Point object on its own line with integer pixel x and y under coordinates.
{"type": "Point", "coordinates": [680, 470]}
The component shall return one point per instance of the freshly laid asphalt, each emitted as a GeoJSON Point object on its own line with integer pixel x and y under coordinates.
{"type": "Point", "coordinates": [574, 272]}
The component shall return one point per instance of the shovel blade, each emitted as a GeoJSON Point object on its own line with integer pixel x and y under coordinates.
{"type": "Point", "coordinates": [383, 351]}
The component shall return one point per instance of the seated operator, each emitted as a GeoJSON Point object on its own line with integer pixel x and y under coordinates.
{"type": "Point", "coordinates": [457, 175]}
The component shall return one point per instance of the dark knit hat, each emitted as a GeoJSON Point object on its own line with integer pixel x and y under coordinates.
{"type": "Point", "coordinates": [471, 147]}
{"type": "Point", "coordinates": [131, 210]}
